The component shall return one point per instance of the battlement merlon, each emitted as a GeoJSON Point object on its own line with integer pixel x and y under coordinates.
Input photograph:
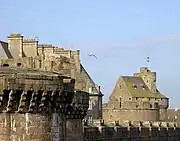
{"type": "Point", "coordinates": [46, 46]}
{"type": "Point", "coordinates": [15, 35]}
{"type": "Point", "coordinates": [139, 124]}
{"type": "Point", "coordinates": [29, 40]}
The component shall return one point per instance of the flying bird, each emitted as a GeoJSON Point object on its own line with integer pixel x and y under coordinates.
{"type": "Point", "coordinates": [148, 59]}
{"type": "Point", "coordinates": [92, 55]}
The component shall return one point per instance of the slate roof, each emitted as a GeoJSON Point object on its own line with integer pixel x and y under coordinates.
{"type": "Point", "coordinates": [85, 73]}
{"type": "Point", "coordinates": [134, 81]}
{"type": "Point", "coordinates": [4, 52]}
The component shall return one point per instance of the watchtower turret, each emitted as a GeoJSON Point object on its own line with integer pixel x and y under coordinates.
{"type": "Point", "coordinates": [148, 77]}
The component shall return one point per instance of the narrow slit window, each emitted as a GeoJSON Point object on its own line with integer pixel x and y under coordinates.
{"type": "Point", "coordinates": [40, 64]}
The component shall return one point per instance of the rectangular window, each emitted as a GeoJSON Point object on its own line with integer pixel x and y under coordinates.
{"type": "Point", "coordinates": [120, 103]}
{"type": "Point", "coordinates": [40, 64]}
{"type": "Point", "coordinates": [100, 105]}
{"type": "Point", "coordinates": [90, 119]}
{"type": "Point", "coordinates": [90, 105]}
{"type": "Point", "coordinates": [52, 65]}
{"type": "Point", "coordinates": [34, 64]}
{"type": "Point", "coordinates": [90, 90]}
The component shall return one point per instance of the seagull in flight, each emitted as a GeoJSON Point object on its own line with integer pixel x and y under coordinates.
{"type": "Point", "coordinates": [92, 55]}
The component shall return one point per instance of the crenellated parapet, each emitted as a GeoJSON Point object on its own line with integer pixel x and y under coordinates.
{"type": "Point", "coordinates": [45, 45]}
{"type": "Point", "coordinates": [14, 35]}
{"type": "Point", "coordinates": [26, 40]}
{"type": "Point", "coordinates": [173, 115]}
{"type": "Point", "coordinates": [128, 130]}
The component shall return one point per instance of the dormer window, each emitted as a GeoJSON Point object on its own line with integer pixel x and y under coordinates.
{"type": "Point", "coordinates": [134, 86]}
{"type": "Point", "coordinates": [143, 86]}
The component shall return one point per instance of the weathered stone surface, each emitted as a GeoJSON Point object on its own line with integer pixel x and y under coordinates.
{"type": "Point", "coordinates": [39, 113]}
{"type": "Point", "coordinates": [136, 131]}
{"type": "Point", "coordinates": [74, 130]}
{"type": "Point", "coordinates": [28, 53]}
{"type": "Point", "coordinates": [136, 98]}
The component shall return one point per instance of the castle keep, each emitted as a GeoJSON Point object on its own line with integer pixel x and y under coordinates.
{"type": "Point", "coordinates": [136, 98]}
{"type": "Point", "coordinates": [136, 111]}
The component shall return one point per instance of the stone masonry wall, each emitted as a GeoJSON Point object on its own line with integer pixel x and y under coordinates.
{"type": "Point", "coordinates": [110, 115]}
{"type": "Point", "coordinates": [25, 127]}
{"type": "Point", "coordinates": [74, 130]}
{"type": "Point", "coordinates": [133, 131]}
{"type": "Point", "coordinates": [173, 115]}
{"type": "Point", "coordinates": [43, 111]}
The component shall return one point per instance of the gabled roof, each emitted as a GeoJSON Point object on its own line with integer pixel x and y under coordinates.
{"type": "Point", "coordinates": [85, 73]}
{"type": "Point", "coordinates": [138, 88]}
{"type": "Point", "coordinates": [4, 51]}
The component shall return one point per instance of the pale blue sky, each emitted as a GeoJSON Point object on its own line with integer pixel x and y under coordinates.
{"type": "Point", "coordinates": [122, 33]}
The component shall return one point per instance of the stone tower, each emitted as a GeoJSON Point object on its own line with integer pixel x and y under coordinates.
{"type": "Point", "coordinates": [29, 53]}
{"type": "Point", "coordinates": [37, 106]}
{"type": "Point", "coordinates": [148, 77]}
{"type": "Point", "coordinates": [150, 80]}
{"type": "Point", "coordinates": [15, 45]}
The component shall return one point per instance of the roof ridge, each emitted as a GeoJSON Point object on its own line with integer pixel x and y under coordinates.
{"type": "Point", "coordinates": [126, 86]}
{"type": "Point", "coordinates": [3, 41]}
{"type": "Point", "coordinates": [130, 76]}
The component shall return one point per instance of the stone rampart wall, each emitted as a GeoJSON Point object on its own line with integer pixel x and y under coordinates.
{"type": "Point", "coordinates": [110, 115]}
{"type": "Point", "coordinates": [133, 131]}
{"type": "Point", "coordinates": [173, 115]}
